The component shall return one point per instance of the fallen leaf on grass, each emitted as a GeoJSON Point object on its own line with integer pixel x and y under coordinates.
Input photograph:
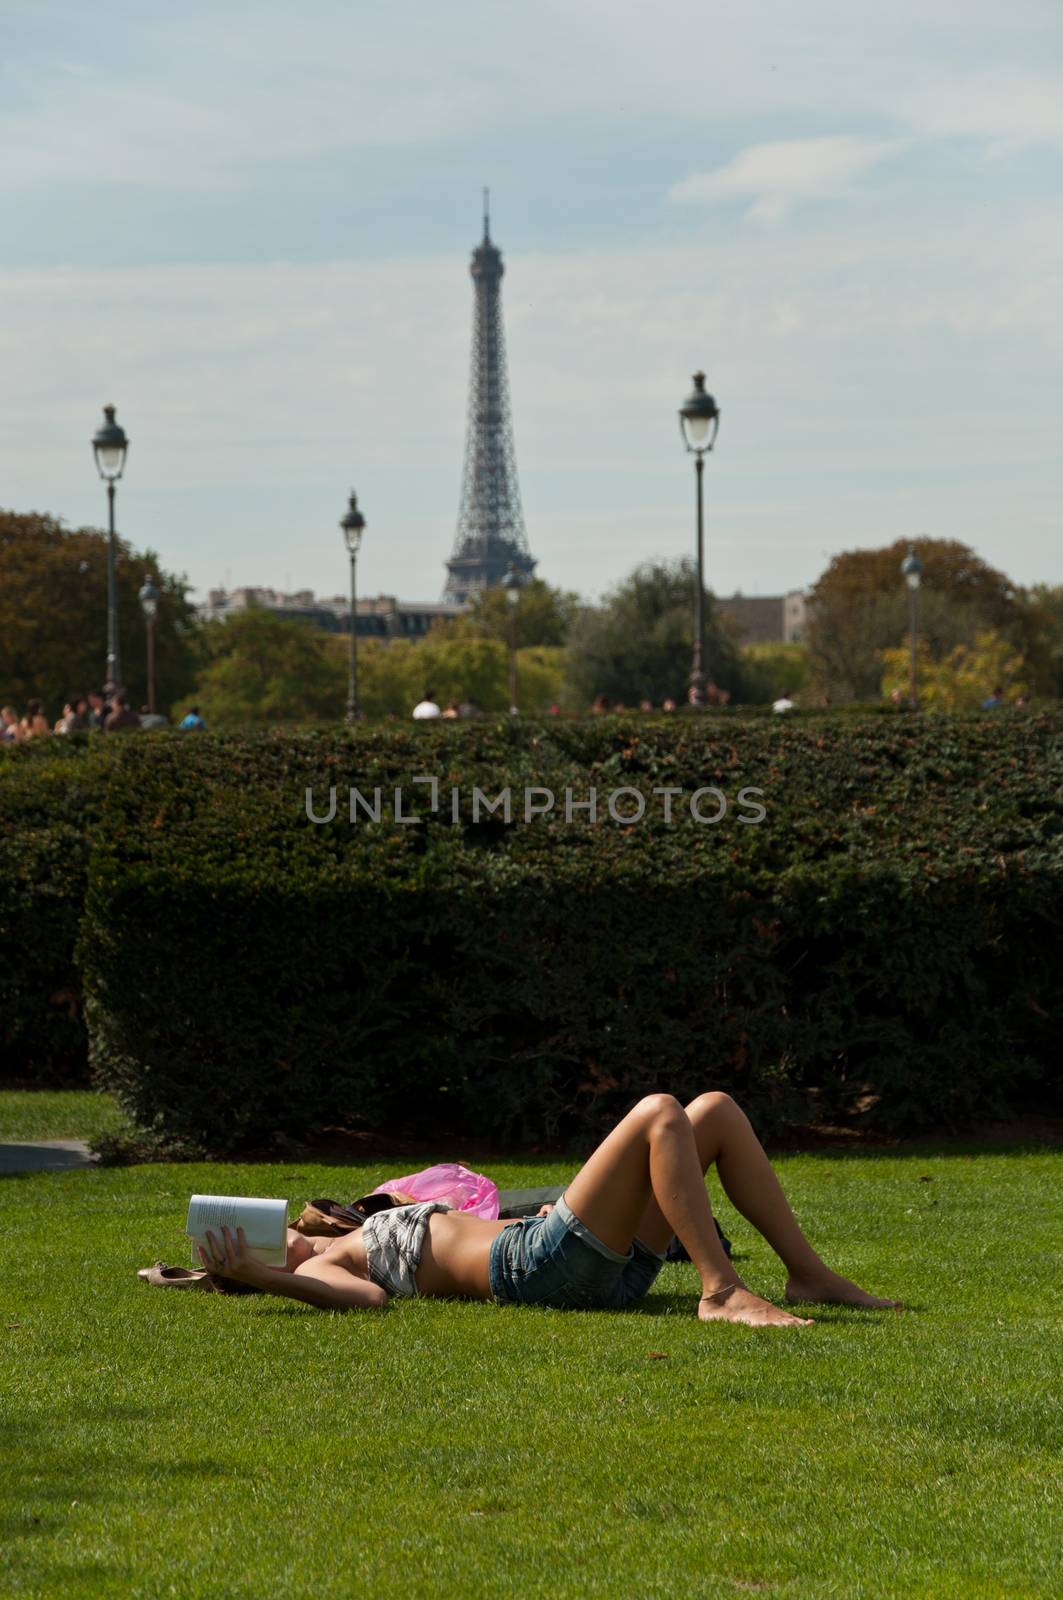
{"type": "Point", "coordinates": [657, 1355]}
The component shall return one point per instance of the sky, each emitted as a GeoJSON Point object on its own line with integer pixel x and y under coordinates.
{"type": "Point", "coordinates": [249, 230]}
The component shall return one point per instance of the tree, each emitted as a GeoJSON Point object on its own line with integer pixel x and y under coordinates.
{"type": "Point", "coordinates": [53, 615]}
{"type": "Point", "coordinates": [1043, 613]}
{"type": "Point", "coordinates": [773, 666]}
{"type": "Point", "coordinates": [962, 679]}
{"type": "Point", "coordinates": [638, 644]}
{"type": "Point", "coordinates": [261, 668]}
{"type": "Point", "coordinates": [859, 607]}
{"type": "Point", "coordinates": [543, 615]}
{"type": "Point", "coordinates": [459, 664]}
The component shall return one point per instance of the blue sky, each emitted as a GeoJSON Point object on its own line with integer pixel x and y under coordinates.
{"type": "Point", "coordinates": [250, 231]}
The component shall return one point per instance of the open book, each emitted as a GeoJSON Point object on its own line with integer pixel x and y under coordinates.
{"type": "Point", "coordinates": [265, 1224]}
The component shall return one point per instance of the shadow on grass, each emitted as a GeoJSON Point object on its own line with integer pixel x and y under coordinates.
{"type": "Point", "coordinates": [671, 1305]}
{"type": "Point", "coordinates": [56, 1483]}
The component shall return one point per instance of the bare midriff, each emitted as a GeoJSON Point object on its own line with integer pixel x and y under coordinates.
{"type": "Point", "coordinates": [453, 1260]}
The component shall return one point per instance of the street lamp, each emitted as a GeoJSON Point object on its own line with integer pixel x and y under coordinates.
{"type": "Point", "coordinates": [699, 420]}
{"type": "Point", "coordinates": [352, 524]}
{"type": "Point", "coordinates": [109, 446]}
{"type": "Point", "coordinates": [912, 571]}
{"type": "Point", "coordinates": [512, 583]}
{"type": "Point", "coordinates": [148, 596]}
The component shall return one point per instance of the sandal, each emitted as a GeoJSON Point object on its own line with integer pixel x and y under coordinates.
{"type": "Point", "coordinates": [161, 1276]}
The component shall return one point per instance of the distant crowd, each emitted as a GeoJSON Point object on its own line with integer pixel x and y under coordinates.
{"type": "Point", "coordinates": [103, 713]}
{"type": "Point", "coordinates": [87, 713]}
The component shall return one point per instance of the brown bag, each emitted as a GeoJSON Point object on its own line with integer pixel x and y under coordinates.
{"type": "Point", "coordinates": [328, 1219]}
{"type": "Point", "coordinates": [316, 1223]}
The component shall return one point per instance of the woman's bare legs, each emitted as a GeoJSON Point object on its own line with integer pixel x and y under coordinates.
{"type": "Point", "coordinates": [653, 1155]}
{"type": "Point", "coordinates": [647, 1178]}
{"type": "Point", "coordinates": [724, 1135]}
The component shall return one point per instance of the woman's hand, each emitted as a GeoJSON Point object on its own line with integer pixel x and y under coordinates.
{"type": "Point", "coordinates": [231, 1258]}
{"type": "Point", "coordinates": [544, 1211]}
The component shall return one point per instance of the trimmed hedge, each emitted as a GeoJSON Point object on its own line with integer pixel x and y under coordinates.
{"type": "Point", "coordinates": [889, 937]}
{"type": "Point", "coordinates": [51, 792]}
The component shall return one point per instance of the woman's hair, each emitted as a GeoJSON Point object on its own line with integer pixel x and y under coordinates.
{"type": "Point", "coordinates": [33, 708]}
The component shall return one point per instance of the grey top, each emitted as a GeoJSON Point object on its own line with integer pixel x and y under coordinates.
{"type": "Point", "coordinates": [394, 1241]}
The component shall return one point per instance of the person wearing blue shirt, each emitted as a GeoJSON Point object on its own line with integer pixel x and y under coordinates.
{"type": "Point", "coordinates": [192, 720]}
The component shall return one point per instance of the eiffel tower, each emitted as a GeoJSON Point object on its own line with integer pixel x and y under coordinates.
{"type": "Point", "coordinates": [490, 534]}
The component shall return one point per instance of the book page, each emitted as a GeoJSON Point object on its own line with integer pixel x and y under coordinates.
{"type": "Point", "coordinates": [264, 1223]}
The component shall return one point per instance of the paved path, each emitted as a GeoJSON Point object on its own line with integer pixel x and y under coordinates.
{"type": "Point", "coordinates": [45, 1155]}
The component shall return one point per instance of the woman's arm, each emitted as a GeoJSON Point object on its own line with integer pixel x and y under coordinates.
{"type": "Point", "coordinates": [316, 1282]}
{"type": "Point", "coordinates": [325, 1283]}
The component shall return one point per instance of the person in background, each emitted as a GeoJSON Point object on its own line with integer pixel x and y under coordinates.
{"type": "Point", "coordinates": [994, 701]}
{"type": "Point", "coordinates": [555, 710]}
{"type": "Point", "coordinates": [61, 721]}
{"type": "Point", "coordinates": [427, 709]}
{"type": "Point", "coordinates": [600, 706]}
{"type": "Point", "coordinates": [122, 718]}
{"type": "Point", "coordinates": [153, 719]}
{"type": "Point", "coordinates": [192, 722]}
{"type": "Point", "coordinates": [668, 705]}
{"type": "Point", "coordinates": [645, 705]}
{"type": "Point", "coordinates": [452, 712]}
{"type": "Point", "coordinates": [34, 724]}
{"type": "Point", "coordinates": [9, 729]}
{"type": "Point", "coordinates": [1022, 700]}
{"type": "Point", "coordinates": [76, 719]}
{"type": "Point", "coordinates": [97, 709]}
{"type": "Point", "coordinates": [783, 704]}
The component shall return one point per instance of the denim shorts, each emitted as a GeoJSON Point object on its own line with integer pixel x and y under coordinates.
{"type": "Point", "coordinates": [557, 1261]}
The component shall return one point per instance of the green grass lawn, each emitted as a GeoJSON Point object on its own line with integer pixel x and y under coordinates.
{"type": "Point", "coordinates": [57, 1114]}
{"type": "Point", "coordinates": [166, 1444]}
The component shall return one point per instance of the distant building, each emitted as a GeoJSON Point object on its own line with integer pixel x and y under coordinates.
{"type": "Point", "coordinates": [768, 619]}
{"type": "Point", "coordinates": [376, 617]}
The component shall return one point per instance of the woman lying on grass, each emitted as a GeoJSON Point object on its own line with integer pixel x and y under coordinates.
{"type": "Point", "coordinates": [601, 1246]}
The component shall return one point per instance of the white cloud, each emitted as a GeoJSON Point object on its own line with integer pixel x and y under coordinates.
{"type": "Point", "coordinates": [202, 99]}
{"type": "Point", "coordinates": [1006, 109]}
{"type": "Point", "coordinates": [780, 175]}
{"type": "Point", "coordinates": [175, 136]}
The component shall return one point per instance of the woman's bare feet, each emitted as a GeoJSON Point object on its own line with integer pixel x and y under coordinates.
{"type": "Point", "coordinates": [740, 1304]}
{"type": "Point", "coordinates": [829, 1288]}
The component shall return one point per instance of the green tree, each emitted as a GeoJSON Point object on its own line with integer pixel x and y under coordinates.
{"type": "Point", "coordinates": [53, 616]}
{"type": "Point", "coordinates": [772, 667]}
{"type": "Point", "coordinates": [960, 680]}
{"type": "Point", "coordinates": [458, 664]}
{"type": "Point", "coordinates": [1043, 613]}
{"type": "Point", "coordinates": [261, 668]}
{"type": "Point", "coordinates": [542, 616]}
{"type": "Point", "coordinates": [638, 643]}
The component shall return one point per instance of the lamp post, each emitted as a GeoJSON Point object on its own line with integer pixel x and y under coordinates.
{"type": "Point", "coordinates": [148, 596]}
{"type": "Point", "coordinates": [352, 524]}
{"type": "Point", "coordinates": [109, 446]}
{"type": "Point", "coordinates": [912, 570]}
{"type": "Point", "coordinates": [699, 420]}
{"type": "Point", "coordinates": [512, 583]}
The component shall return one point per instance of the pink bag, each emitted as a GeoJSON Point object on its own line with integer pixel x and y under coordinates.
{"type": "Point", "coordinates": [449, 1181]}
